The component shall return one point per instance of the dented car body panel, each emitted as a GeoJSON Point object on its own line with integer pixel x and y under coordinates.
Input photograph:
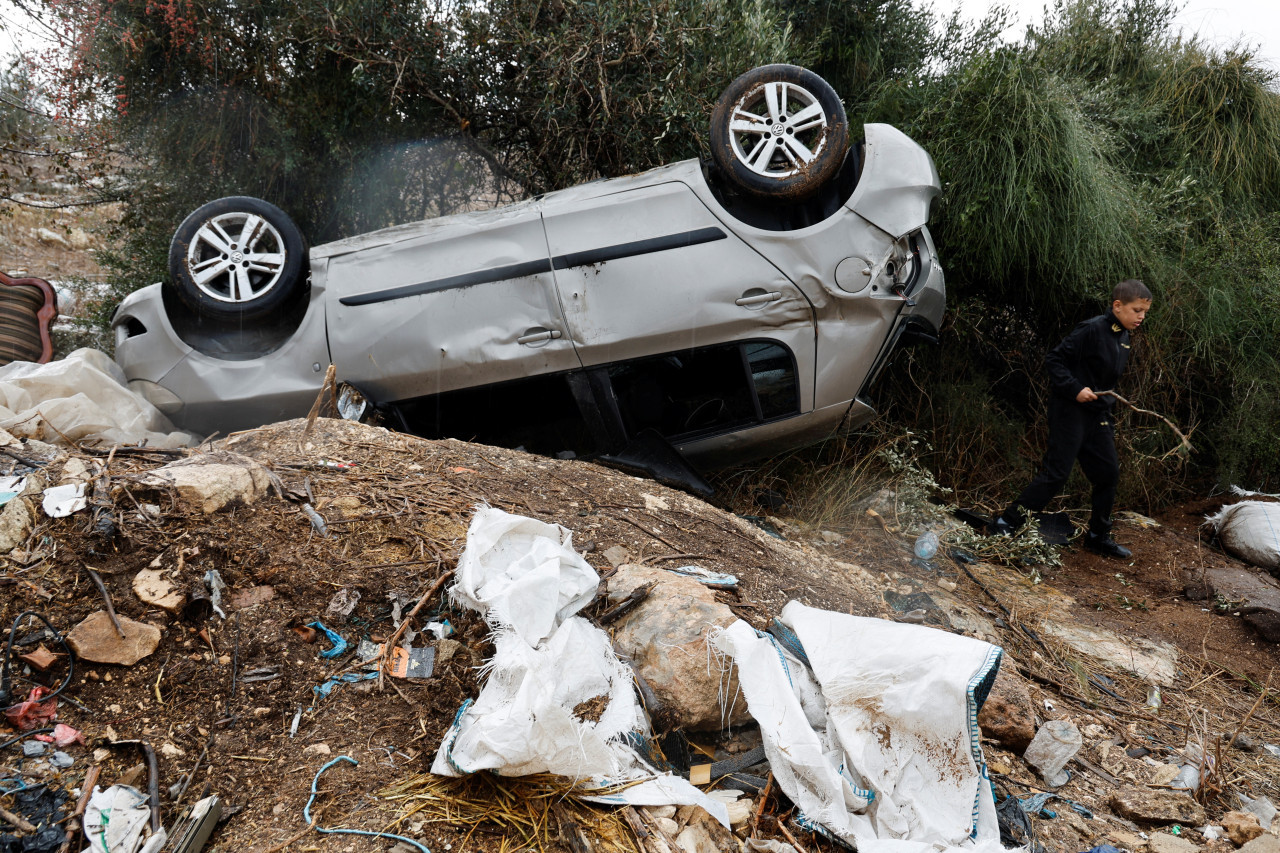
{"type": "Point", "coordinates": [626, 305]}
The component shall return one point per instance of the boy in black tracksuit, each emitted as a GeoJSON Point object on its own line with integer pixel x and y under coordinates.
{"type": "Point", "coordinates": [1088, 360]}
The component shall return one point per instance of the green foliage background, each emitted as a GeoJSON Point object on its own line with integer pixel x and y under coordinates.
{"type": "Point", "coordinates": [1099, 146]}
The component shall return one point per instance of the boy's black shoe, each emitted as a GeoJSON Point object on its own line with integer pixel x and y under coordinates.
{"type": "Point", "coordinates": [1101, 543]}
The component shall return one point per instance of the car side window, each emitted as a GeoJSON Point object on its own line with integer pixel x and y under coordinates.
{"type": "Point", "coordinates": [707, 390]}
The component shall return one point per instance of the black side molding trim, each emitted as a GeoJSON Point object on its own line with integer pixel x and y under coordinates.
{"type": "Point", "coordinates": [528, 268]}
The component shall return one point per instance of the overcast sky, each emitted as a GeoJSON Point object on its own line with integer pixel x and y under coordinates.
{"type": "Point", "coordinates": [1223, 22]}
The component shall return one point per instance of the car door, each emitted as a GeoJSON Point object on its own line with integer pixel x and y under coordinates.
{"type": "Point", "coordinates": [649, 271]}
{"type": "Point", "coordinates": [451, 303]}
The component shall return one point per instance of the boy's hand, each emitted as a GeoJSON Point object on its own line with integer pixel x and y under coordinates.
{"type": "Point", "coordinates": [1086, 395]}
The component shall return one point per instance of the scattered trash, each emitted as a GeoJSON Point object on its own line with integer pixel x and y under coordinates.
{"type": "Point", "coordinates": [216, 588]}
{"type": "Point", "coordinates": [1035, 804]}
{"type": "Point", "coordinates": [10, 488]}
{"type": "Point", "coordinates": [191, 831]}
{"type": "Point", "coordinates": [344, 601]}
{"type": "Point", "coordinates": [1054, 745]}
{"type": "Point", "coordinates": [1210, 833]}
{"type": "Point", "coordinates": [1272, 748]}
{"type": "Point", "coordinates": [262, 673]}
{"type": "Point", "coordinates": [32, 748]}
{"type": "Point", "coordinates": [96, 639]}
{"type": "Point", "coordinates": [62, 736]}
{"type": "Point", "coordinates": [1153, 697]}
{"type": "Point", "coordinates": [720, 580]}
{"type": "Point", "coordinates": [1188, 778]}
{"type": "Point", "coordinates": [306, 811]}
{"type": "Point", "coordinates": [38, 812]}
{"type": "Point", "coordinates": [926, 547]}
{"type": "Point", "coordinates": [339, 643]}
{"type": "Point", "coordinates": [61, 760]}
{"type": "Point", "coordinates": [833, 759]}
{"type": "Point", "coordinates": [61, 501]}
{"type": "Point", "coordinates": [293, 726]}
{"type": "Point", "coordinates": [116, 821]}
{"type": "Point", "coordinates": [1248, 530]}
{"type": "Point", "coordinates": [33, 713]}
{"type": "Point", "coordinates": [441, 630]}
{"type": "Point", "coordinates": [1261, 807]}
{"type": "Point", "coordinates": [317, 522]}
{"type": "Point", "coordinates": [411, 663]}
{"type": "Point", "coordinates": [322, 691]}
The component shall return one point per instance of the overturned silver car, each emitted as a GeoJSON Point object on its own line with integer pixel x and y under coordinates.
{"type": "Point", "coordinates": [730, 307]}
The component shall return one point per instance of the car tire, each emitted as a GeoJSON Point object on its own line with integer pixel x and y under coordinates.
{"type": "Point", "coordinates": [779, 132]}
{"type": "Point", "coordinates": [237, 258]}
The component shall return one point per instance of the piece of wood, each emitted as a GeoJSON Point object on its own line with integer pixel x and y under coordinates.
{"type": "Point", "coordinates": [86, 791]}
{"type": "Point", "coordinates": [388, 653]}
{"type": "Point", "coordinates": [17, 820]}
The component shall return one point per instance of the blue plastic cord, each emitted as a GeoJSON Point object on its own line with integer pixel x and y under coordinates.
{"type": "Point", "coordinates": [306, 811]}
{"type": "Point", "coordinates": [339, 644]}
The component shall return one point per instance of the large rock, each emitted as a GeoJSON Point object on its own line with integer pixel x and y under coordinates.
{"type": "Point", "coordinates": [96, 639]}
{"type": "Point", "coordinates": [1265, 843]}
{"type": "Point", "coordinates": [156, 588]}
{"type": "Point", "coordinates": [16, 519]}
{"type": "Point", "coordinates": [1008, 716]}
{"type": "Point", "coordinates": [1254, 594]}
{"type": "Point", "coordinates": [1163, 842]}
{"type": "Point", "coordinates": [1241, 827]}
{"type": "Point", "coordinates": [666, 637]}
{"type": "Point", "coordinates": [212, 481]}
{"type": "Point", "coordinates": [1144, 805]}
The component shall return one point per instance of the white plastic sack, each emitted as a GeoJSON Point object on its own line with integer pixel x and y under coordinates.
{"type": "Point", "coordinates": [896, 765]}
{"type": "Point", "coordinates": [117, 820]}
{"type": "Point", "coordinates": [1251, 531]}
{"type": "Point", "coordinates": [84, 398]}
{"type": "Point", "coordinates": [523, 573]}
{"type": "Point", "coordinates": [535, 712]}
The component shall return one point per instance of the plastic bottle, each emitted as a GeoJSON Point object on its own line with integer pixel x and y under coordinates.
{"type": "Point", "coordinates": [1054, 745]}
{"type": "Point", "coordinates": [1188, 777]}
{"type": "Point", "coordinates": [926, 545]}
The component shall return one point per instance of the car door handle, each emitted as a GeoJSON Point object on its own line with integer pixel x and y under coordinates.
{"type": "Point", "coordinates": [755, 296]}
{"type": "Point", "coordinates": [537, 336]}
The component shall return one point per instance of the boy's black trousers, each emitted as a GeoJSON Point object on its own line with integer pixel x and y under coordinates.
{"type": "Point", "coordinates": [1076, 432]}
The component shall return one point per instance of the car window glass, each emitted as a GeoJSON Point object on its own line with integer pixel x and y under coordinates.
{"type": "Point", "coordinates": [773, 374]}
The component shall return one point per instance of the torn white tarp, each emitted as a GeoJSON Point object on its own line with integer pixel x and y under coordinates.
{"type": "Point", "coordinates": [523, 573]}
{"type": "Point", "coordinates": [886, 758]}
{"type": "Point", "coordinates": [117, 821]}
{"type": "Point", "coordinates": [556, 699]}
{"type": "Point", "coordinates": [1251, 531]}
{"type": "Point", "coordinates": [82, 397]}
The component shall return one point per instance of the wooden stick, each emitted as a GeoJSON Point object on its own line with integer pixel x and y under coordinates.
{"type": "Point", "coordinates": [292, 838]}
{"type": "Point", "coordinates": [106, 596]}
{"type": "Point", "coordinates": [1266, 689]}
{"type": "Point", "coordinates": [388, 650]}
{"type": "Point", "coordinates": [330, 377]}
{"type": "Point", "coordinates": [86, 791]}
{"type": "Point", "coordinates": [764, 797]}
{"type": "Point", "coordinates": [18, 821]}
{"type": "Point", "coordinates": [1184, 450]}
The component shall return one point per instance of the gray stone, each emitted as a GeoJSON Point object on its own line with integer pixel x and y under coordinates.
{"type": "Point", "coordinates": [15, 524]}
{"type": "Point", "coordinates": [96, 639]}
{"type": "Point", "coordinates": [1147, 806]}
{"type": "Point", "coordinates": [1008, 716]}
{"type": "Point", "coordinates": [1163, 842]}
{"type": "Point", "coordinates": [1253, 593]}
{"type": "Point", "coordinates": [32, 748]}
{"type": "Point", "coordinates": [1266, 843]}
{"type": "Point", "coordinates": [666, 637]}
{"type": "Point", "coordinates": [212, 481]}
{"type": "Point", "coordinates": [154, 587]}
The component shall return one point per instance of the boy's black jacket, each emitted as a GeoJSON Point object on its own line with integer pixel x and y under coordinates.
{"type": "Point", "coordinates": [1092, 356]}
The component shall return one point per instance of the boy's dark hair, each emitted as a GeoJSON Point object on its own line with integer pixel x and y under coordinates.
{"type": "Point", "coordinates": [1129, 290]}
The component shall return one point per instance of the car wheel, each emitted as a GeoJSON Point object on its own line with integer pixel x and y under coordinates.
{"type": "Point", "coordinates": [237, 258]}
{"type": "Point", "coordinates": [780, 132]}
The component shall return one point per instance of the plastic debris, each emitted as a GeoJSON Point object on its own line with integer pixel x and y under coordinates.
{"type": "Point", "coordinates": [708, 577]}
{"type": "Point", "coordinates": [32, 748]}
{"type": "Point", "coordinates": [1261, 807]}
{"type": "Point", "coordinates": [61, 501]}
{"type": "Point", "coordinates": [1188, 778]}
{"type": "Point", "coordinates": [405, 663]}
{"type": "Point", "coordinates": [1211, 833]}
{"type": "Point", "coordinates": [194, 826]}
{"type": "Point", "coordinates": [306, 811]}
{"type": "Point", "coordinates": [926, 547]}
{"type": "Point", "coordinates": [1054, 745]}
{"type": "Point", "coordinates": [63, 736]}
{"type": "Point", "coordinates": [339, 644]}
{"type": "Point", "coordinates": [35, 712]}
{"type": "Point", "coordinates": [10, 488]}
{"type": "Point", "coordinates": [344, 601]}
{"type": "Point", "coordinates": [322, 691]}
{"type": "Point", "coordinates": [43, 807]}
{"type": "Point", "coordinates": [61, 760]}
{"type": "Point", "coordinates": [297, 717]}
{"type": "Point", "coordinates": [1153, 697]}
{"type": "Point", "coordinates": [441, 630]}
{"type": "Point", "coordinates": [116, 821]}
{"type": "Point", "coordinates": [1035, 804]}
{"type": "Point", "coordinates": [1272, 748]}
{"type": "Point", "coordinates": [216, 588]}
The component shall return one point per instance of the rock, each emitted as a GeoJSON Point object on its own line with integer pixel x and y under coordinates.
{"type": "Point", "coordinates": [1257, 595]}
{"type": "Point", "coordinates": [52, 238]}
{"type": "Point", "coordinates": [212, 481]}
{"type": "Point", "coordinates": [1164, 774]}
{"type": "Point", "coordinates": [96, 640]}
{"type": "Point", "coordinates": [1008, 716]}
{"type": "Point", "coordinates": [317, 749]}
{"type": "Point", "coordinates": [1124, 839]}
{"type": "Point", "coordinates": [1147, 806]}
{"type": "Point", "coordinates": [251, 597]}
{"type": "Point", "coordinates": [171, 750]}
{"type": "Point", "coordinates": [1163, 842]}
{"type": "Point", "coordinates": [1054, 745]}
{"type": "Point", "coordinates": [1241, 827]}
{"type": "Point", "coordinates": [154, 588]}
{"type": "Point", "coordinates": [15, 524]}
{"type": "Point", "coordinates": [1265, 843]}
{"type": "Point", "coordinates": [667, 825]}
{"type": "Point", "coordinates": [666, 637]}
{"type": "Point", "coordinates": [79, 239]}
{"type": "Point", "coordinates": [1154, 662]}
{"type": "Point", "coordinates": [831, 537]}
{"type": "Point", "coordinates": [616, 555]}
